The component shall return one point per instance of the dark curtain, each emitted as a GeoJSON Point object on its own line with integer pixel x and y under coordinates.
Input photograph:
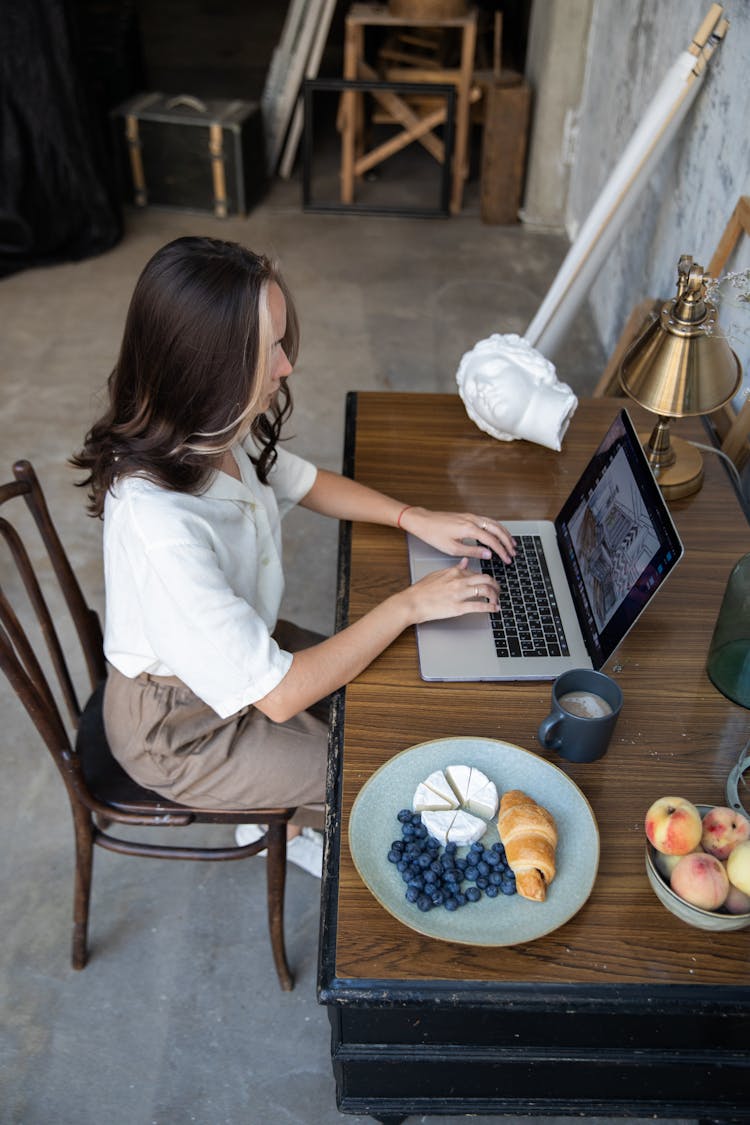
{"type": "Point", "coordinates": [58, 196]}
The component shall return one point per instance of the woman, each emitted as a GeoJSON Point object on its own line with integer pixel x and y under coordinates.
{"type": "Point", "coordinates": [210, 698]}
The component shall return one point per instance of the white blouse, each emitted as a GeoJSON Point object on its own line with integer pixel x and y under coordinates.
{"type": "Point", "coordinates": [194, 582]}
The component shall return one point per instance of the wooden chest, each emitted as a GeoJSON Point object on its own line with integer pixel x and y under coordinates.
{"type": "Point", "coordinates": [184, 152]}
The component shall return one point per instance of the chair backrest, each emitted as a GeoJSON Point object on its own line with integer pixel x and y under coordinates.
{"type": "Point", "coordinates": [21, 657]}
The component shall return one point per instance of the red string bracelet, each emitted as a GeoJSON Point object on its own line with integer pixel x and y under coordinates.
{"type": "Point", "coordinates": [400, 514]}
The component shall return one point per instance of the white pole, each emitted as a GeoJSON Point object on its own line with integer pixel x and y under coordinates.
{"type": "Point", "coordinates": [587, 253]}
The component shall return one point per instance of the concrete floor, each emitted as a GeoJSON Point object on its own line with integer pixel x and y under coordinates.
{"type": "Point", "coordinates": [178, 1016]}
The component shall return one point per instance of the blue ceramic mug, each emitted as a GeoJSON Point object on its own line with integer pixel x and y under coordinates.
{"type": "Point", "coordinates": [585, 708]}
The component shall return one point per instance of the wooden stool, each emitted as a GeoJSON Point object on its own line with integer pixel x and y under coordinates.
{"type": "Point", "coordinates": [354, 161]}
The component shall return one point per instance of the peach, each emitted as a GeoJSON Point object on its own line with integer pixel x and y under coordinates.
{"type": "Point", "coordinates": [737, 902]}
{"type": "Point", "coordinates": [738, 867]}
{"type": "Point", "coordinates": [665, 864]}
{"type": "Point", "coordinates": [723, 829]}
{"type": "Point", "coordinates": [673, 826]}
{"type": "Point", "coordinates": [700, 879]}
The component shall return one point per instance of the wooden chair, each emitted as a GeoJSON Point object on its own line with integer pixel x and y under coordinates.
{"type": "Point", "coordinates": [99, 791]}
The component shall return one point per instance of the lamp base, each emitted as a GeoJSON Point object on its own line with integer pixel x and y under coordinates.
{"type": "Point", "coordinates": [684, 476]}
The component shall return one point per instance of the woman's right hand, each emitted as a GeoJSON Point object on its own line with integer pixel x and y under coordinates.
{"type": "Point", "coordinates": [451, 592]}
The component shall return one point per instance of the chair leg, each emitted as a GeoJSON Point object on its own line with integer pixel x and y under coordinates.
{"type": "Point", "coordinates": [84, 841]}
{"type": "Point", "coordinates": [276, 876]}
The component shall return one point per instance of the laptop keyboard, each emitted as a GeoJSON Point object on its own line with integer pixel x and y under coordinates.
{"type": "Point", "coordinates": [528, 622]}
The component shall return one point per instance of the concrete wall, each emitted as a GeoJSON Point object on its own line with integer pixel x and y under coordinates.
{"type": "Point", "coordinates": [555, 68]}
{"type": "Point", "coordinates": [629, 47]}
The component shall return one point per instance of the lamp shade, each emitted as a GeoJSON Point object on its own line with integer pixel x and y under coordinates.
{"type": "Point", "coordinates": [681, 364]}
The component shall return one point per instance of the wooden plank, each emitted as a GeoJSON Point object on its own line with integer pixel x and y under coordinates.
{"type": "Point", "coordinates": [285, 75]}
{"type": "Point", "coordinates": [400, 141]}
{"type": "Point", "coordinates": [401, 112]}
{"type": "Point", "coordinates": [311, 71]}
{"type": "Point", "coordinates": [644, 311]}
{"type": "Point", "coordinates": [506, 122]}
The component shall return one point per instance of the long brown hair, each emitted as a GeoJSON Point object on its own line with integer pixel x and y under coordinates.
{"type": "Point", "coordinates": [189, 374]}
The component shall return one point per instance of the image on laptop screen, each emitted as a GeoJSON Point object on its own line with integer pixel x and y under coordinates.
{"type": "Point", "coordinates": [616, 538]}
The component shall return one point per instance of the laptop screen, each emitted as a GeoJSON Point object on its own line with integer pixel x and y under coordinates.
{"type": "Point", "coordinates": [617, 539]}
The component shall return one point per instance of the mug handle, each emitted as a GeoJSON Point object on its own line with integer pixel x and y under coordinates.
{"type": "Point", "coordinates": [546, 731]}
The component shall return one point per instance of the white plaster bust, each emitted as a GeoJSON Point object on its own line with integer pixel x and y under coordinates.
{"type": "Point", "coordinates": [511, 391]}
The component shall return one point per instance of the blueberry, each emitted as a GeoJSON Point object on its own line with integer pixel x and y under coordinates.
{"type": "Point", "coordinates": [408, 831]}
{"type": "Point", "coordinates": [412, 894]}
{"type": "Point", "coordinates": [404, 816]}
{"type": "Point", "coordinates": [451, 848]}
{"type": "Point", "coordinates": [424, 902]}
{"type": "Point", "coordinates": [471, 873]}
{"type": "Point", "coordinates": [430, 876]}
{"type": "Point", "coordinates": [450, 903]}
{"type": "Point", "coordinates": [416, 881]}
{"type": "Point", "coordinates": [438, 898]}
{"type": "Point", "coordinates": [473, 894]}
{"type": "Point", "coordinates": [394, 857]}
{"type": "Point", "coordinates": [416, 818]}
{"type": "Point", "coordinates": [483, 868]}
{"type": "Point", "coordinates": [423, 860]}
{"type": "Point", "coordinates": [461, 863]}
{"type": "Point", "coordinates": [498, 847]}
{"type": "Point", "coordinates": [420, 832]}
{"type": "Point", "coordinates": [492, 858]}
{"type": "Point", "coordinates": [461, 899]}
{"type": "Point", "coordinates": [482, 882]}
{"type": "Point", "coordinates": [508, 888]}
{"type": "Point", "coordinates": [495, 878]}
{"type": "Point", "coordinates": [492, 891]}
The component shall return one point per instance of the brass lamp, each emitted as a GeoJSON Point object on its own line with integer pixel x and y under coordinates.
{"type": "Point", "coordinates": [679, 366]}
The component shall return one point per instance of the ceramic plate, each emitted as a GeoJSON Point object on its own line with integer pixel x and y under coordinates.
{"type": "Point", "coordinates": [507, 919]}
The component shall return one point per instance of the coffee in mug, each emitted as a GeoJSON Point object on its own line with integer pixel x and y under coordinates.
{"type": "Point", "coordinates": [585, 706]}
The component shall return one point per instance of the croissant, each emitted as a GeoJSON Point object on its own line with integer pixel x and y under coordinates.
{"type": "Point", "coordinates": [529, 835]}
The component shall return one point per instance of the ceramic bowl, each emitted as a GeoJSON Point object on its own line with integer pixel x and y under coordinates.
{"type": "Point", "coordinates": [713, 920]}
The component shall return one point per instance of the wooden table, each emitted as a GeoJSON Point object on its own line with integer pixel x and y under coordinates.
{"type": "Point", "coordinates": [353, 160]}
{"type": "Point", "coordinates": [624, 1010]}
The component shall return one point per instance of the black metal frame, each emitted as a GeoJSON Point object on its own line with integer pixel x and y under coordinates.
{"type": "Point", "coordinates": [330, 85]}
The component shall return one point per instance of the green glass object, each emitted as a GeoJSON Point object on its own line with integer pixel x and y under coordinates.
{"type": "Point", "coordinates": [728, 663]}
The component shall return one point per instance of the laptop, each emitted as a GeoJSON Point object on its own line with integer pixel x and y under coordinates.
{"type": "Point", "coordinates": [594, 570]}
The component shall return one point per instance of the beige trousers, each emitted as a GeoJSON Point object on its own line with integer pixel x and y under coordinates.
{"type": "Point", "coordinates": [169, 740]}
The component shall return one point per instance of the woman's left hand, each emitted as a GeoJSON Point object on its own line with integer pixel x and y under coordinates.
{"type": "Point", "coordinates": [450, 531]}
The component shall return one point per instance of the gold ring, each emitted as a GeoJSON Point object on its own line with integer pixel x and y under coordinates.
{"type": "Point", "coordinates": [483, 525]}
{"type": "Point", "coordinates": [476, 591]}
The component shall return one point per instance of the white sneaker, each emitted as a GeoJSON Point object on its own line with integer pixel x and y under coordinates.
{"type": "Point", "coordinates": [245, 834]}
{"type": "Point", "coordinates": [306, 851]}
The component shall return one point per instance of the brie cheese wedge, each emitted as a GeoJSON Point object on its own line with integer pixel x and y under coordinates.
{"type": "Point", "coordinates": [459, 778]}
{"type": "Point", "coordinates": [482, 797]}
{"type": "Point", "coordinates": [438, 784]}
{"type": "Point", "coordinates": [466, 829]}
{"type": "Point", "coordinates": [427, 800]}
{"type": "Point", "coordinates": [438, 824]}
